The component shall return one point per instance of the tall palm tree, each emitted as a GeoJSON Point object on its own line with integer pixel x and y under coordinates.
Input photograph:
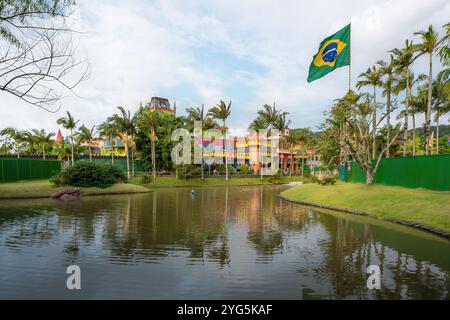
{"type": "Point", "coordinates": [109, 131]}
{"type": "Point", "coordinates": [86, 135]}
{"type": "Point", "coordinates": [441, 101]}
{"type": "Point", "coordinates": [258, 124]}
{"type": "Point", "coordinates": [125, 125]}
{"type": "Point", "coordinates": [387, 69]}
{"type": "Point", "coordinates": [430, 43]}
{"type": "Point", "coordinates": [149, 121]}
{"type": "Point", "coordinates": [444, 52]}
{"type": "Point", "coordinates": [402, 62]}
{"type": "Point", "coordinates": [372, 77]}
{"type": "Point", "coordinates": [43, 139]}
{"type": "Point", "coordinates": [19, 137]}
{"type": "Point", "coordinates": [270, 114]}
{"type": "Point", "coordinates": [199, 114]}
{"type": "Point", "coordinates": [221, 112]}
{"type": "Point", "coordinates": [281, 124]}
{"type": "Point", "coordinates": [70, 124]}
{"type": "Point", "coordinates": [292, 139]}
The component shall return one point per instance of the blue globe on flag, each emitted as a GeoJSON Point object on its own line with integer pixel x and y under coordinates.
{"type": "Point", "coordinates": [329, 54]}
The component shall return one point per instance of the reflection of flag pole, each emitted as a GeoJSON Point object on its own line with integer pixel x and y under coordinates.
{"type": "Point", "coordinates": [350, 61]}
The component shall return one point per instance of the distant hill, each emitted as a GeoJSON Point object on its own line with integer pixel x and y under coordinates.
{"type": "Point", "coordinates": [443, 130]}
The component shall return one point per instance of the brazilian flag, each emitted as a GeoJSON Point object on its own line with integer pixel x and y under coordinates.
{"type": "Point", "coordinates": [334, 52]}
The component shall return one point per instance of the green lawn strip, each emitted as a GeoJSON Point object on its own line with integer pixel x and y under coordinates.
{"type": "Point", "coordinates": [420, 206]}
{"type": "Point", "coordinates": [170, 181]}
{"type": "Point", "coordinates": [44, 189]}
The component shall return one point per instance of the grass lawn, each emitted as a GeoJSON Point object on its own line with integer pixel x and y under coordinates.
{"type": "Point", "coordinates": [44, 189]}
{"type": "Point", "coordinates": [170, 181]}
{"type": "Point", "coordinates": [421, 206]}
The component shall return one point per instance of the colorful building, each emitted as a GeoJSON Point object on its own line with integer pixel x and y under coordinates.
{"type": "Point", "coordinates": [158, 104]}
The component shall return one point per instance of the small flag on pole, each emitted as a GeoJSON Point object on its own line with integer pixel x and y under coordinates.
{"type": "Point", "coordinates": [334, 52]}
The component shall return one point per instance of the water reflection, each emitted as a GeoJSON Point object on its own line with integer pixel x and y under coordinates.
{"type": "Point", "coordinates": [221, 243]}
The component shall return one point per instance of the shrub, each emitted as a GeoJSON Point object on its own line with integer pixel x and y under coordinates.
{"type": "Point", "coordinates": [86, 174]}
{"type": "Point", "coordinates": [245, 169]}
{"type": "Point", "coordinates": [221, 169]}
{"type": "Point", "coordinates": [276, 178]}
{"type": "Point", "coordinates": [188, 171]}
{"type": "Point", "coordinates": [325, 181]}
{"type": "Point", "coordinates": [57, 180]}
{"type": "Point", "coordinates": [146, 178]}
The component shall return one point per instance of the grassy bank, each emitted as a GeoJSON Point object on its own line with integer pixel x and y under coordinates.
{"type": "Point", "coordinates": [416, 206]}
{"type": "Point", "coordinates": [44, 189]}
{"type": "Point", "coordinates": [170, 181]}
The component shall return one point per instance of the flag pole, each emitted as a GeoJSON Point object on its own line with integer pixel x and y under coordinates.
{"type": "Point", "coordinates": [350, 61]}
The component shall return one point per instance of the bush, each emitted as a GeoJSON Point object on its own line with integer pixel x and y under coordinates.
{"type": "Point", "coordinates": [245, 169]}
{"type": "Point", "coordinates": [325, 181]}
{"type": "Point", "coordinates": [146, 178]}
{"type": "Point", "coordinates": [221, 169]}
{"type": "Point", "coordinates": [276, 178]}
{"type": "Point", "coordinates": [188, 171]}
{"type": "Point", "coordinates": [86, 174]}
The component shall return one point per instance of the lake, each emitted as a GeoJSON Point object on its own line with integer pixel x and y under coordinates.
{"type": "Point", "coordinates": [222, 243]}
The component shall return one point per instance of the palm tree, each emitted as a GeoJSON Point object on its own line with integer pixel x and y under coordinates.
{"type": "Point", "coordinates": [149, 121]}
{"type": "Point", "coordinates": [270, 114]}
{"type": "Point", "coordinates": [43, 139]}
{"type": "Point", "coordinates": [402, 62]}
{"type": "Point", "coordinates": [281, 125]}
{"type": "Point", "coordinates": [258, 124]}
{"type": "Point", "coordinates": [444, 52]}
{"type": "Point", "coordinates": [19, 137]}
{"type": "Point", "coordinates": [124, 123]}
{"type": "Point", "coordinates": [430, 43]}
{"type": "Point", "coordinates": [222, 112]}
{"type": "Point", "coordinates": [69, 123]}
{"type": "Point", "coordinates": [197, 114]}
{"type": "Point", "coordinates": [372, 77]}
{"type": "Point", "coordinates": [387, 69]}
{"type": "Point", "coordinates": [441, 101]}
{"type": "Point", "coordinates": [109, 131]}
{"type": "Point", "coordinates": [85, 134]}
{"type": "Point", "coordinates": [292, 139]}
{"type": "Point", "coordinates": [418, 105]}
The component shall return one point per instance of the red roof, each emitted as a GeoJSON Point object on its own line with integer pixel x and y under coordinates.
{"type": "Point", "coordinates": [59, 137]}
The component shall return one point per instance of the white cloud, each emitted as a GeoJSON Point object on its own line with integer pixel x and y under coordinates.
{"type": "Point", "coordinates": [251, 52]}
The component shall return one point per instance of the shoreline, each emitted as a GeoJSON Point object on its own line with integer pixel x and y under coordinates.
{"type": "Point", "coordinates": [411, 224]}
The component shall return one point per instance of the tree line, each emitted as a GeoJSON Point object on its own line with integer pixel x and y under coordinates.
{"type": "Point", "coordinates": [145, 135]}
{"type": "Point", "coordinates": [354, 129]}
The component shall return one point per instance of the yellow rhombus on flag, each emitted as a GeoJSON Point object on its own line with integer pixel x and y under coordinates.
{"type": "Point", "coordinates": [334, 52]}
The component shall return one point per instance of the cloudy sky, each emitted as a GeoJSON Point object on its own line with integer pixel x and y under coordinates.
{"type": "Point", "coordinates": [249, 51]}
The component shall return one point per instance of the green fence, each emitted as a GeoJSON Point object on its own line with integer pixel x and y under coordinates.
{"type": "Point", "coordinates": [15, 169]}
{"type": "Point", "coordinates": [429, 172]}
{"type": "Point", "coordinates": [120, 163]}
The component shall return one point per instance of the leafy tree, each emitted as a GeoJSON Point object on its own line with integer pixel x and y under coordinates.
{"type": "Point", "coordinates": [38, 64]}
{"type": "Point", "coordinates": [18, 138]}
{"type": "Point", "coordinates": [354, 114]}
